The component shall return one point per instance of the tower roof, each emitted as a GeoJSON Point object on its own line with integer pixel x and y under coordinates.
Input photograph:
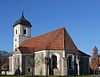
{"type": "Point", "coordinates": [22, 21]}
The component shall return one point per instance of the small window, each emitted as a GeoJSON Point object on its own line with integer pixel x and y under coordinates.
{"type": "Point", "coordinates": [15, 39]}
{"type": "Point", "coordinates": [24, 31]}
{"type": "Point", "coordinates": [15, 49]}
{"type": "Point", "coordinates": [29, 69]}
{"type": "Point", "coordinates": [16, 31]}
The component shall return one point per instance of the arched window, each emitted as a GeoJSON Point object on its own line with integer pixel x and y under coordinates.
{"type": "Point", "coordinates": [54, 61]}
{"type": "Point", "coordinates": [70, 62]}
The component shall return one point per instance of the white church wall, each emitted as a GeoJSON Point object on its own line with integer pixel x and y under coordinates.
{"type": "Point", "coordinates": [22, 38]}
{"type": "Point", "coordinates": [10, 63]}
{"type": "Point", "coordinates": [60, 55]}
{"type": "Point", "coordinates": [17, 62]}
{"type": "Point", "coordinates": [16, 30]}
{"type": "Point", "coordinates": [27, 63]}
{"type": "Point", "coordinates": [28, 31]}
{"type": "Point", "coordinates": [67, 55]}
{"type": "Point", "coordinates": [40, 62]}
{"type": "Point", "coordinates": [47, 53]}
{"type": "Point", "coordinates": [19, 35]}
{"type": "Point", "coordinates": [16, 36]}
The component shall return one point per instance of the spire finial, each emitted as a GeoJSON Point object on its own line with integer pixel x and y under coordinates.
{"type": "Point", "coordinates": [22, 11]}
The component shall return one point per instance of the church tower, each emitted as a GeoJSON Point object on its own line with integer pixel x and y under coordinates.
{"type": "Point", "coordinates": [22, 31]}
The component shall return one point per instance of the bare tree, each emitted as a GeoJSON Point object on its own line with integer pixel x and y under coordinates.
{"type": "Point", "coordinates": [94, 60]}
{"type": "Point", "coordinates": [47, 64]}
{"type": "Point", "coordinates": [1, 63]}
{"type": "Point", "coordinates": [5, 67]}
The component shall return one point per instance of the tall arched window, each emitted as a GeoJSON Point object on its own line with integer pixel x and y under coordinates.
{"type": "Point", "coordinates": [54, 61]}
{"type": "Point", "coordinates": [70, 62]}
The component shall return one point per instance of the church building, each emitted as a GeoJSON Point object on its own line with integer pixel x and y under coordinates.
{"type": "Point", "coordinates": [53, 53]}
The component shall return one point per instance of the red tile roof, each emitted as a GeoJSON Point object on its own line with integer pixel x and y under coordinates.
{"type": "Point", "coordinates": [56, 40]}
{"type": "Point", "coordinates": [26, 50]}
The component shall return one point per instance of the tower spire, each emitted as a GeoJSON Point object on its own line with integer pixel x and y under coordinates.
{"type": "Point", "coordinates": [22, 10]}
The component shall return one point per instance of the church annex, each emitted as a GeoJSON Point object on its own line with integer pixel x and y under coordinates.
{"type": "Point", "coordinates": [53, 53]}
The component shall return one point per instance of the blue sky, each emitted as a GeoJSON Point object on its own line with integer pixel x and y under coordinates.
{"type": "Point", "coordinates": [81, 18]}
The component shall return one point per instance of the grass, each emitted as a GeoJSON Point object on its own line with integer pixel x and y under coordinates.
{"type": "Point", "coordinates": [84, 76]}
{"type": "Point", "coordinates": [11, 76]}
{"type": "Point", "coordinates": [49, 76]}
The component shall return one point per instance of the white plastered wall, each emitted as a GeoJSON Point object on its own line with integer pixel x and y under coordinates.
{"type": "Point", "coordinates": [19, 37]}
